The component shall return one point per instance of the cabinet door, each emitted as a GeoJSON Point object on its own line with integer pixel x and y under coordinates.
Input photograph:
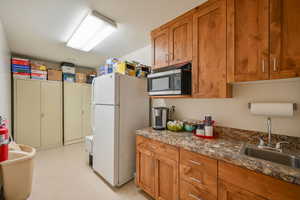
{"type": "Point", "coordinates": [180, 43]}
{"type": "Point", "coordinates": [248, 40]}
{"type": "Point", "coordinates": [231, 192]}
{"type": "Point", "coordinates": [72, 112]}
{"type": "Point", "coordinates": [145, 169]}
{"type": "Point", "coordinates": [160, 45]}
{"type": "Point", "coordinates": [285, 40]}
{"type": "Point", "coordinates": [51, 106]}
{"type": "Point", "coordinates": [28, 111]}
{"type": "Point", "coordinates": [86, 109]}
{"type": "Point", "coordinates": [209, 51]}
{"type": "Point", "coordinates": [166, 178]}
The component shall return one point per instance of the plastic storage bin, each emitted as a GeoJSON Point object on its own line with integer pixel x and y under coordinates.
{"type": "Point", "coordinates": [16, 173]}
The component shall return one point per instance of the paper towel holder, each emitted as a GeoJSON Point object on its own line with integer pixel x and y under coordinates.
{"type": "Point", "coordinates": [294, 106]}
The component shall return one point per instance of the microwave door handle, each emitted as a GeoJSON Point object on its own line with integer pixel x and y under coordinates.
{"type": "Point", "coordinates": [149, 85]}
{"type": "Point", "coordinates": [171, 82]}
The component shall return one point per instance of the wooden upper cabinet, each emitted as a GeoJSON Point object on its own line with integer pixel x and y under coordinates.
{"type": "Point", "coordinates": [180, 41]}
{"type": "Point", "coordinates": [248, 40]}
{"type": "Point", "coordinates": [172, 43]}
{"type": "Point", "coordinates": [160, 46]}
{"type": "Point", "coordinates": [284, 38]}
{"type": "Point", "coordinates": [209, 51]}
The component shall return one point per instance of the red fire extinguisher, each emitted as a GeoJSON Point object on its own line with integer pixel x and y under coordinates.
{"type": "Point", "coordinates": [4, 140]}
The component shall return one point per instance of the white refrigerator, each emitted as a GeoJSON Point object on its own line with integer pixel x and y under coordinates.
{"type": "Point", "coordinates": [120, 106]}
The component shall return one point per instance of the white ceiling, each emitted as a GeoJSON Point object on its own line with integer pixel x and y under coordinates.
{"type": "Point", "coordinates": [40, 28]}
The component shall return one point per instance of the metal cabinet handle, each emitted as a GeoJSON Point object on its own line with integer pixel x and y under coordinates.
{"type": "Point", "coordinates": [195, 162]}
{"type": "Point", "coordinates": [194, 196]}
{"type": "Point", "coordinates": [263, 65]}
{"type": "Point", "coordinates": [196, 180]}
{"type": "Point", "coordinates": [274, 64]}
{"type": "Point", "coordinates": [167, 57]}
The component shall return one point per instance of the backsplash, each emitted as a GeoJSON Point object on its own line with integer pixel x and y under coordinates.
{"type": "Point", "coordinates": [234, 112]}
{"type": "Point", "coordinates": [252, 137]}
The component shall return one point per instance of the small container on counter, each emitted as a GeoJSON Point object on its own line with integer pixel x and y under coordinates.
{"type": "Point", "coordinates": [209, 130]}
{"type": "Point", "coordinates": [200, 131]}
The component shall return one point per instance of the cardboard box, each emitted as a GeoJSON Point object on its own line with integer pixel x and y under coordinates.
{"type": "Point", "coordinates": [80, 78]}
{"type": "Point", "coordinates": [54, 75]}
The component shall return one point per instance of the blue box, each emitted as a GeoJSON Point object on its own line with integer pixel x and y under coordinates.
{"type": "Point", "coordinates": [69, 77]}
{"type": "Point", "coordinates": [14, 66]}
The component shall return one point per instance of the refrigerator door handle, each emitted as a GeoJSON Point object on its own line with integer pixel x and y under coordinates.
{"type": "Point", "coordinates": [93, 107]}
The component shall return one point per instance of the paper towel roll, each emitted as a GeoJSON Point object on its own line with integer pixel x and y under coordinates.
{"type": "Point", "coordinates": [273, 109]}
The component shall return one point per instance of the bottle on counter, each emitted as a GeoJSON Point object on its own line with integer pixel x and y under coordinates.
{"type": "Point", "coordinates": [208, 126]}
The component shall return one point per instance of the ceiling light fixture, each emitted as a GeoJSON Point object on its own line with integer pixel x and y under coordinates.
{"type": "Point", "coordinates": [93, 29]}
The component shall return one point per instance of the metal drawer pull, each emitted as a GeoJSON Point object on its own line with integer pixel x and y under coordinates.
{"type": "Point", "coordinates": [196, 180]}
{"type": "Point", "coordinates": [195, 162]}
{"type": "Point", "coordinates": [263, 66]}
{"type": "Point", "coordinates": [194, 196]}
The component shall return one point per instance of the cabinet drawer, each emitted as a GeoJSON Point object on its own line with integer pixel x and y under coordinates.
{"type": "Point", "coordinates": [199, 171]}
{"type": "Point", "coordinates": [265, 186]}
{"type": "Point", "coordinates": [159, 148]}
{"type": "Point", "coordinates": [190, 192]}
{"type": "Point", "coordinates": [166, 150]}
{"type": "Point", "coordinates": [146, 144]}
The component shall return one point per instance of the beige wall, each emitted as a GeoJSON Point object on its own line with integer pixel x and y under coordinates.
{"type": "Point", "coordinates": [5, 83]}
{"type": "Point", "coordinates": [234, 112]}
{"type": "Point", "coordinates": [142, 55]}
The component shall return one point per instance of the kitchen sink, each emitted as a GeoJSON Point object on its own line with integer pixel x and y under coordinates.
{"type": "Point", "coordinates": [272, 156]}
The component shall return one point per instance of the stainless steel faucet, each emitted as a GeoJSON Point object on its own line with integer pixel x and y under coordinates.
{"type": "Point", "coordinates": [269, 125]}
{"type": "Point", "coordinates": [269, 146]}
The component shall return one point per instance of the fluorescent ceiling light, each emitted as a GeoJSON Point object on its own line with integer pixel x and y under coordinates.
{"type": "Point", "coordinates": [92, 30]}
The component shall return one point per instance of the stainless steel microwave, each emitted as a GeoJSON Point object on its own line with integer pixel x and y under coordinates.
{"type": "Point", "coordinates": [173, 81]}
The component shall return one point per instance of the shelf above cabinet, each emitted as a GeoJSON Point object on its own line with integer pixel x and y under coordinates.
{"type": "Point", "coordinates": [172, 97]}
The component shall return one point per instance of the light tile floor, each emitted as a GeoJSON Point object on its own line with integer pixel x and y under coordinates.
{"type": "Point", "coordinates": [63, 174]}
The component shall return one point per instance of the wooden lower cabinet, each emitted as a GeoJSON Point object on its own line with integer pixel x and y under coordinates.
{"type": "Point", "coordinates": [145, 171]}
{"type": "Point", "coordinates": [157, 173]}
{"type": "Point", "coordinates": [198, 174]}
{"type": "Point", "coordinates": [231, 192]}
{"type": "Point", "coordinates": [166, 177]}
{"type": "Point", "coordinates": [168, 173]}
{"type": "Point", "coordinates": [248, 183]}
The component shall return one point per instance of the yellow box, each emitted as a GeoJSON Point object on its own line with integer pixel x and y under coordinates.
{"type": "Point", "coordinates": [127, 68]}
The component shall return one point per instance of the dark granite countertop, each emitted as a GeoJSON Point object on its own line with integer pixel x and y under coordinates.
{"type": "Point", "coordinates": [227, 150]}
